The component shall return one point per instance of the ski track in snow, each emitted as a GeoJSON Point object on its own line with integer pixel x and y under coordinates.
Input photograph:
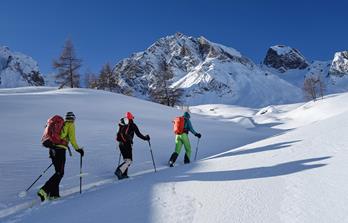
{"type": "Point", "coordinates": [179, 207]}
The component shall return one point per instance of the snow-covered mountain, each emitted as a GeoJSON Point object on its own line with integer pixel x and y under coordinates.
{"type": "Point", "coordinates": [208, 72]}
{"type": "Point", "coordinates": [212, 73]}
{"type": "Point", "coordinates": [339, 65]}
{"type": "Point", "coordinates": [284, 58]}
{"type": "Point", "coordinates": [18, 70]}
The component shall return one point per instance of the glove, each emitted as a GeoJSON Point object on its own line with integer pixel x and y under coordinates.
{"type": "Point", "coordinates": [198, 135]}
{"type": "Point", "coordinates": [81, 151]}
{"type": "Point", "coordinates": [147, 138]}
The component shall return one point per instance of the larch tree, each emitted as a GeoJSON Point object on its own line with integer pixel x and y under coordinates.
{"type": "Point", "coordinates": [67, 66]}
{"type": "Point", "coordinates": [108, 80]}
{"type": "Point", "coordinates": [313, 87]}
{"type": "Point", "coordinates": [161, 91]}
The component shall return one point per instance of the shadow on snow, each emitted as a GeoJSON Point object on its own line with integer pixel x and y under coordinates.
{"type": "Point", "coordinates": [254, 173]}
{"type": "Point", "coordinates": [276, 146]}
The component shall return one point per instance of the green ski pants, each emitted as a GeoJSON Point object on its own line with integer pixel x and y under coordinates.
{"type": "Point", "coordinates": [179, 141]}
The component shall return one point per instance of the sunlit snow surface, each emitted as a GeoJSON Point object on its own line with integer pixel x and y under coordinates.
{"type": "Point", "coordinates": [277, 164]}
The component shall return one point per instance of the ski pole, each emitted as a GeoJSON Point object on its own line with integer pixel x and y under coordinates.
{"type": "Point", "coordinates": [39, 177]}
{"type": "Point", "coordinates": [196, 149]}
{"type": "Point", "coordinates": [153, 161]}
{"type": "Point", "coordinates": [80, 174]}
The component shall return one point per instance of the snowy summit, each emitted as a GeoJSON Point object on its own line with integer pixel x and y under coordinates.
{"type": "Point", "coordinates": [18, 70]}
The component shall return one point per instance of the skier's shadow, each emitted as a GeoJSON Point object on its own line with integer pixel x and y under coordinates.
{"type": "Point", "coordinates": [254, 173]}
{"type": "Point", "coordinates": [276, 146]}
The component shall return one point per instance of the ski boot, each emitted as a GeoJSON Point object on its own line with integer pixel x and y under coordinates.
{"type": "Point", "coordinates": [42, 194]}
{"type": "Point", "coordinates": [172, 159]}
{"type": "Point", "coordinates": [120, 175]}
{"type": "Point", "coordinates": [186, 159]}
{"type": "Point", "coordinates": [171, 163]}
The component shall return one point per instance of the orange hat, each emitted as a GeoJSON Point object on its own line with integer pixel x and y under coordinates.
{"type": "Point", "coordinates": [129, 116]}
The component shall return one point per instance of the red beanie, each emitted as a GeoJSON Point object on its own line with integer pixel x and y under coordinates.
{"type": "Point", "coordinates": [129, 115]}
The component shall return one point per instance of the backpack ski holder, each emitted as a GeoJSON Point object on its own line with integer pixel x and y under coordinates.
{"type": "Point", "coordinates": [196, 149]}
{"type": "Point", "coordinates": [153, 161]}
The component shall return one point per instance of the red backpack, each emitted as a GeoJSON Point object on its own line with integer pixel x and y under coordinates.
{"type": "Point", "coordinates": [179, 123]}
{"type": "Point", "coordinates": [51, 135]}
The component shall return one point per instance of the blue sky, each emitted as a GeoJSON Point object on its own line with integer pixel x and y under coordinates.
{"type": "Point", "coordinates": [110, 30]}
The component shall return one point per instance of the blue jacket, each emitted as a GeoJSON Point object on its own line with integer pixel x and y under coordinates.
{"type": "Point", "coordinates": [188, 126]}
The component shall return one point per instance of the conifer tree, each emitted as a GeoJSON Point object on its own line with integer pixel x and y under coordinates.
{"type": "Point", "coordinates": [67, 66]}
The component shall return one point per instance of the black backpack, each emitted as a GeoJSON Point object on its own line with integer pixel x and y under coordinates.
{"type": "Point", "coordinates": [122, 133]}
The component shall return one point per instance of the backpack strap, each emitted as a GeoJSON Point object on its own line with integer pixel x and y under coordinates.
{"type": "Point", "coordinates": [123, 136]}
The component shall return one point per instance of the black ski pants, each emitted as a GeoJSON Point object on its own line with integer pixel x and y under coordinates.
{"type": "Point", "coordinates": [126, 151]}
{"type": "Point", "coordinates": [58, 157]}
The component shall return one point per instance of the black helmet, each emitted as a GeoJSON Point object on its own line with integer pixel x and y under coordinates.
{"type": "Point", "coordinates": [70, 116]}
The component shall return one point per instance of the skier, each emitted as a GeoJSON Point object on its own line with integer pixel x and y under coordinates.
{"type": "Point", "coordinates": [182, 138]}
{"type": "Point", "coordinates": [57, 153]}
{"type": "Point", "coordinates": [125, 136]}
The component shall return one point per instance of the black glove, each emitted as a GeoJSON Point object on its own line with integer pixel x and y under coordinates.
{"type": "Point", "coordinates": [147, 138]}
{"type": "Point", "coordinates": [80, 150]}
{"type": "Point", "coordinates": [198, 135]}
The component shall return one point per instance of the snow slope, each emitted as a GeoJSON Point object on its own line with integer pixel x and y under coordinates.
{"type": "Point", "coordinates": [24, 112]}
{"type": "Point", "coordinates": [288, 166]}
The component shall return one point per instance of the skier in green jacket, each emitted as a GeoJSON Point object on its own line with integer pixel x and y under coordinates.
{"type": "Point", "coordinates": [57, 153]}
{"type": "Point", "coordinates": [183, 139]}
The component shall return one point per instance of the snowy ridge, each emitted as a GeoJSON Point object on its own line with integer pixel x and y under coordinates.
{"type": "Point", "coordinates": [334, 83]}
{"type": "Point", "coordinates": [208, 72]}
{"type": "Point", "coordinates": [282, 50]}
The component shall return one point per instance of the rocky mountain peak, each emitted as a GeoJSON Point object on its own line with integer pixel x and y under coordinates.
{"type": "Point", "coordinates": [285, 58]}
{"type": "Point", "coordinates": [17, 69]}
{"type": "Point", "coordinates": [339, 65]}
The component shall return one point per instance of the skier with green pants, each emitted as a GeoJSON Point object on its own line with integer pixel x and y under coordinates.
{"type": "Point", "coordinates": [182, 138]}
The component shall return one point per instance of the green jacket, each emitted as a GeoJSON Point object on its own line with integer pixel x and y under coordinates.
{"type": "Point", "coordinates": [68, 134]}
